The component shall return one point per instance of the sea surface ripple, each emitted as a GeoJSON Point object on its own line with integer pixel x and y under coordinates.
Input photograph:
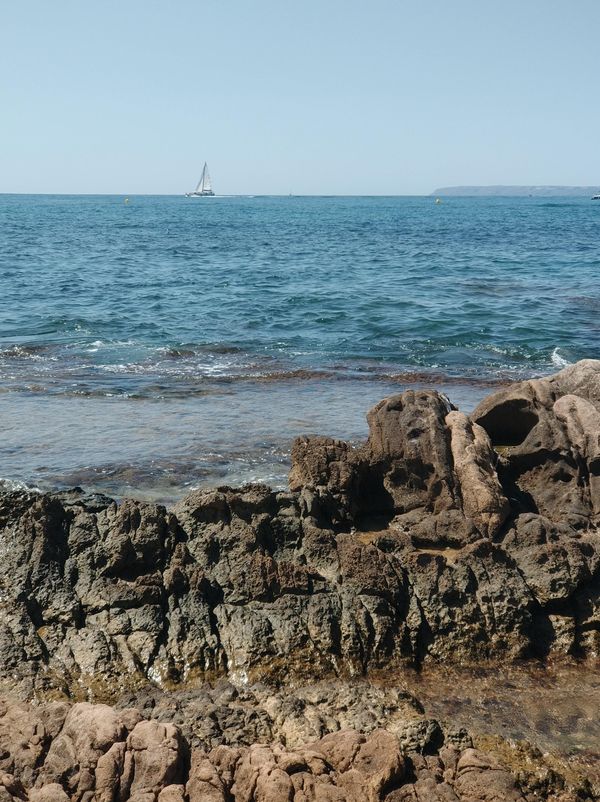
{"type": "Point", "coordinates": [163, 343]}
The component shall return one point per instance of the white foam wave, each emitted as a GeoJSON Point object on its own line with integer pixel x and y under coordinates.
{"type": "Point", "coordinates": [11, 485]}
{"type": "Point", "coordinates": [558, 360]}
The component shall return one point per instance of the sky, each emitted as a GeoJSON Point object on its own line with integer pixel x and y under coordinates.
{"type": "Point", "coordinates": [386, 97]}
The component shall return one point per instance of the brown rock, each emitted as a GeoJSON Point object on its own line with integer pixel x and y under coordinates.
{"type": "Point", "coordinates": [113, 774]}
{"type": "Point", "coordinates": [409, 446]}
{"type": "Point", "coordinates": [88, 733]}
{"type": "Point", "coordinates": [366, 768]}
{"type": "Point", "coordinates": [157, 752]}
{"type": "Point", "coordinates": [23, 739]}
{"type": "Point", "coordinates": [547, 433]}
{"type": "Point", "coordinates": [172, 793]}
{"type": "Point", "coordinates": [480, 779]}
{"type": "Point", "coordinates": [53, 792]}
{"type": "Point", "coordinates": [474, 466]}
{"type": "Point", "coordinates": [11, 788]}
{"type": "Point", "coordinates": [205, 783]}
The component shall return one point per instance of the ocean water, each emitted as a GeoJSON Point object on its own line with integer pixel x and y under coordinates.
{"type": "Point", "coordinates": [166, 343]}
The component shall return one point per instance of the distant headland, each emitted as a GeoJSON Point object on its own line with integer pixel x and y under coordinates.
{"type": "Point", "coordinates": [538, 191]}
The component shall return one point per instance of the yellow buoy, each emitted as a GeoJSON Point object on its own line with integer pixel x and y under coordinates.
{"type": "Point", "coordinates": [126, 200]}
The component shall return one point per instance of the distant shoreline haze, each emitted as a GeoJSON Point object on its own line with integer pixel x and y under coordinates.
{"type": "Point", "coordinates": [519, 191]}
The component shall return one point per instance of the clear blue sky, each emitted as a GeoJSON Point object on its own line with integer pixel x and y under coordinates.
{"type": "Point", "coordinates": [303, 96]}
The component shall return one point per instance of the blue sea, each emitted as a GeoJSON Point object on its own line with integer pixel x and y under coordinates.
{"type": "Point", "coordinates": [151, 346]}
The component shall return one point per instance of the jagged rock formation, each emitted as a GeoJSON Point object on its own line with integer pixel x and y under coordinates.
{"type": "Point", "coordinates": [548, 431]}
{"type": "Point", "coordinates": [424, 543]}
{"type": "Point", "coordinates": [444, 537]}
{"type": "Point", "coordinates": [425, 465]}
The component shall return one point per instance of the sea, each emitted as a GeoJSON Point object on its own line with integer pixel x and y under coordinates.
{"type": "Point", "coordinates": [153, 345]}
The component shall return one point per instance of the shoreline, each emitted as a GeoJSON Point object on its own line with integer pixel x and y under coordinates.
{"type": "Point", "coordinates": [159, 450]}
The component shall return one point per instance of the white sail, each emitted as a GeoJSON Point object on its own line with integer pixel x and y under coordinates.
{"type": "Point", "coordinates": [204, 185]}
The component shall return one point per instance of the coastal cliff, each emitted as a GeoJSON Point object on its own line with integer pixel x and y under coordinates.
{"type": "Point", "coordinates": [445, 539]}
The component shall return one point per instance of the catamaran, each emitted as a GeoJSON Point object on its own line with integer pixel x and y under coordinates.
{"type": "Point", "coordinates": [204, 187]}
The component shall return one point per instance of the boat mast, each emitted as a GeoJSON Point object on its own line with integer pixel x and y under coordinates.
{"type": "Point", "coordinates": [200, 186]}
{"type": "Point", "coordinates": [203, 186]}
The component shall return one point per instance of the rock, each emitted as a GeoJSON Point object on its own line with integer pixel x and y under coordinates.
{"type": "Point", "coordinates": [52, 792]}
{"type": "Point", "coordinates": [24, 740]}
{"type": "Point", "coordinates": [157, 752]}
{"type": "Point", "coordinates": [444, 537]}
{"type": "Point", "coordinates": [408, 447]}
{"type": "Point", "coordinates": [153, 762]}
{"type": "Point", "coordinates": [367, 768]}
{"type": "Point", "coordinates": [581, 379]}
{"type": "Point", "coordinates": [474, 461]}
{"type": "Point", "coordinates": [205, 783]}
{"type": "Point", "coordinates": [418, 544]}
{"type": "Point", "coordinates": [480, 778]}
{"type": "Point", "coordinates": [582, 422]}
{"type": "Point", "coordinates": [422, 462]}
{"type": "Point", "coordinates": [547, 433]}
{"type": "Point", "coordinates": [172, 793]}
{"type": "Point", "coordinates": [89, 731]}
{"type": "Point", "coordinates": [11, 788]}
{"type": "Point", "coordinates": [325, 473]}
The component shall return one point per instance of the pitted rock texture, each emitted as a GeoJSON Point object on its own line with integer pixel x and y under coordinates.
{"type": "Point", "coordinates": [548, 433]}
{"type": "Point", "coordinates": [226, 714]}
{"type": "Point", "coordinates": [423, 544]}
{"type": "Point", "coordinates": [85, 752]}
{"type": "Point", "coordinates": [425, 464]}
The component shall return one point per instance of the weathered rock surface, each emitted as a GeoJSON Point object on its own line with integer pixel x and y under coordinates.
{"type": "Point", "coordinates": [444, 537]}
{"type": "Point", "coordinates": [424, 464]}
{"type": "Point", "coordinates": [98, 753]}
{"type": "Point", "coordinates": [423, 543]}
{"type": "Point", "coordinates": [548, 431]}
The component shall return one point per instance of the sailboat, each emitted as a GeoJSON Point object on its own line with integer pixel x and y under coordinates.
{"type": "Point", "coordinates": [204, 187]}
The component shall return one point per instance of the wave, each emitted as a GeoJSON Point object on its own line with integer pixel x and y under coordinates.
{"type": "Point", "coordinates": [12, 486]}
{"type": "Point", "coordinates": [558, 360]}
{"type": "Point", "coordinates": [128, 368]}
{"type": "Point", "coordinates": [189, 350]}
{"type": "Point", "coordinates": [149, 386]}
{"type": "Point", "coordinates": [24, 351]}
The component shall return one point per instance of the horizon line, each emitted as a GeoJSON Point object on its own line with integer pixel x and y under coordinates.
{"type": "Point", "coordinates": [312, 195]}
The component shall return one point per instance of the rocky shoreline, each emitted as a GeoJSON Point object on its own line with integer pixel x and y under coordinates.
{"type": "Point", "coordinates": [228, 648]}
